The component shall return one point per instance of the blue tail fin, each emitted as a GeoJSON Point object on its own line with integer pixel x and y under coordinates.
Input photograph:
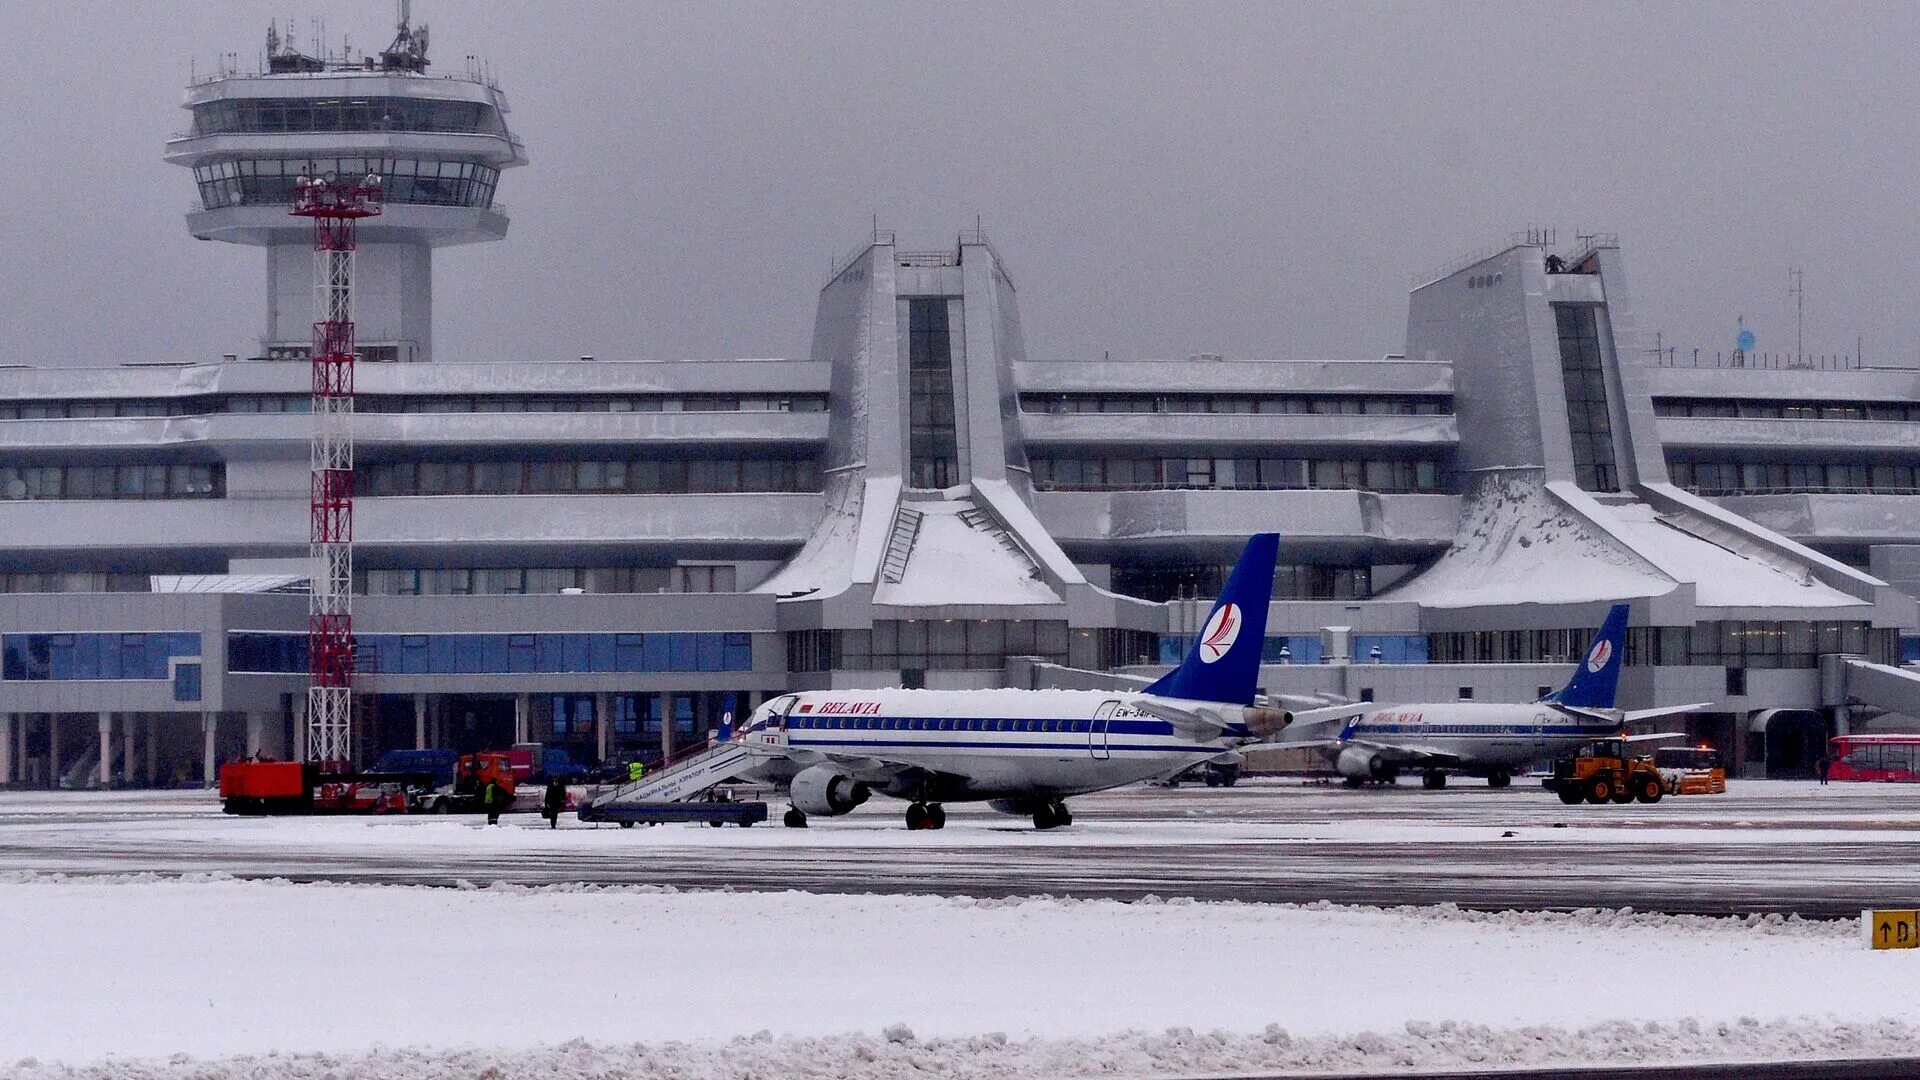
{"type": "Point", "coordinates": [1224, 663]}
{"type": "Point", "coordinates": [1598, 676]}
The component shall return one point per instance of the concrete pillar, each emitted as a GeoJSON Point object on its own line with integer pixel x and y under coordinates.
{"type": "Point", "coordinates": [6, 749]}
{"type": "Point", "coordinates": [602, 724]}
{"type": "Point", "coordinates": [420, 721]}
{"type": "Point", "coordinates": [209, 730]}
{"type": "Point", "coordinates": [153, 747]}
{"type": "Point", "coordinates": [522, 716]}
{"type": "Point", "coordinates": [106, 751]}
{"type": "Point", "coordinates": [666, 725]}
{"type": "Point", "coordinates": [53, 750]}
{"type": "Point", "coordinates": [300, 726]}
{"type": "Point", "coordinates": [127, 723]}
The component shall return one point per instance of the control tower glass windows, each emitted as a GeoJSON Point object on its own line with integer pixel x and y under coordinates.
{"type": "Point", "coordinates": [933, 445]}
{"type": "Point", "coordinates": [413, 181]}
{"type": "Point", "coordinates": [273, 115]}
{"type": "Point", "coordinates": [1586, 386]}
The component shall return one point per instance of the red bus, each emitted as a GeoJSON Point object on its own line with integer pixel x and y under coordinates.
{"type": "Point", "coordinates": [1874, 757]}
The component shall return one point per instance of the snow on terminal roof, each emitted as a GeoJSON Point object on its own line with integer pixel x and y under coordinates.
{"type": "Point", "coordinates": [954, 563]}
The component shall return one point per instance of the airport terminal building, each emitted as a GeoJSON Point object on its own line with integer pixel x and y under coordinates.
{"type": "Point", "coordinates": [610, 555]}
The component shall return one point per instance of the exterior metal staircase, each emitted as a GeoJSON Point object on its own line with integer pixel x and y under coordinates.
{"type": "Point", "coordinates": [682, 777]}
{"type": "Point", "coordinates": [975, 517]}
{"type": "Point", "coordinates": [906, 530]}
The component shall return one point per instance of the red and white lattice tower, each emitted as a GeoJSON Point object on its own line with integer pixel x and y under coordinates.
{"type": "Point", "coordinates": [335, 207]}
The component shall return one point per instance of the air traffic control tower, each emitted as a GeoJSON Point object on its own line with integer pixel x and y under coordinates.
{"type": "Point", "coordinates": [438, 143]}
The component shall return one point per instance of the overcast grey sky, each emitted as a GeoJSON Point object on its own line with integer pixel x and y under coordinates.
{"type": "Point", "coordinates": [1257, 180]}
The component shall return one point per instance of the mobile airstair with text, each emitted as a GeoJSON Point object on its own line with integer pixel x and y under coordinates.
{"type": "Point", "coordinates": [681, 789]}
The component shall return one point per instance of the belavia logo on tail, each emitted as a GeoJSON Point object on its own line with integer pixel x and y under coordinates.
{"type": "Point", "coordinates": [1221, 632]}
{"type": "Point", "coordinates": [1602, 652]}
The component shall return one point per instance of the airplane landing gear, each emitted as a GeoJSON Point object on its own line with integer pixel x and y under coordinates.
{"type": "Point", "coordinates": [1433, 778]}
{"type": "Point", "coordinates": [1499, 778]}
{"type": "Point", "coordinates": [1052, 815]}
{"type": "Point", "coordinates": [926, 816]}
{"type": "Point", "coordinates": [795, 818]}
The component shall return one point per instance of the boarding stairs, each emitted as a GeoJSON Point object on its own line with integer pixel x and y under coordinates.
{"type": "Point", "coordinates": [906, 529]}
{"type": "Point", "coordinates": [977, 517]}
{"type": "Point", "coordinates": [682, 777]}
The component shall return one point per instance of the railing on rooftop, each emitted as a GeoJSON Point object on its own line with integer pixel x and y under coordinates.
{"type": "Point", "coordinates": [1698, 358]}
{"type": "Point", "coordinates": [1799, 489]}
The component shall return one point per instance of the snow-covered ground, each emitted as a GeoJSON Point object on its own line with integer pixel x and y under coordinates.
{"type": "Point", "coordinates": [574, 981]}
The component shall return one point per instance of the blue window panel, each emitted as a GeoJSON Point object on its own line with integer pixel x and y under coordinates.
{"type": "Point", "coordinates": [579, 653]}
{"type": "Point", "coordinates": [680, 652]}
{"type": "Point", "coordinates": [59, 656]}
{"type": "Point", "coordinates": [629, 652]}
{"type": "Point", "coordinates": [521, 653]}
{"type": "Point", "coordinates": [493, 653]}
{"type": "Point", "coordinates": [655, 651]}
{"type": "Point", "coordinates": [600, 656]}
{"type": "Point", "coordinates": [442, 654]}
{"type": "Point", "coordinates": [183, 644]}
{"type": "Point", "coordinates": [1909, 650]}
{"type": "Point", "coordinates": [14, 667]}
{"type": "Point", "coordinates": [186, 682]}
{"type": "Point", "coordinates": [709, 654]}
{"type": "Point", "coordinates": [739, 652]}
{"type": "Point", "coordinates": [549, 653]}
{"type": "Point", "coordinates": [414, 654]}
{"type": "Point", "coordinates": [88, 663]}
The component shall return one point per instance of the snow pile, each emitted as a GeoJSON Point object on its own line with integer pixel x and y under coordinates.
{"type": "Point", "coordinates": [897, 1054]}
{"type": "Point", "coordinates": [953, 562]}
{"type": "Point", "coordinates": [101, 973]}
{"type": "Point", "coordinates": [825, 564]}
{"type": "Point", "coordinates": [1519, 544]}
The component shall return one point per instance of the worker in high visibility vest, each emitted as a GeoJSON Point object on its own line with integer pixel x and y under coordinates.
{"type": "Point", "coordinates": [635, 770]}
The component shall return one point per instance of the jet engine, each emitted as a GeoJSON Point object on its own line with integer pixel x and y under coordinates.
{"type": "Point", "coordinates": [1355, 763]}
{"type": "Point", "coordinates": [819, 790]}
{"type": "Point", "coordinates": [1263, 722]}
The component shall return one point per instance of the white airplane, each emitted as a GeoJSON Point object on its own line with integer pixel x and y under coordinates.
{"type": "Point", "coordinates": [1025, 751]}
{"type": "Point", "coordinates": [1377, 742]}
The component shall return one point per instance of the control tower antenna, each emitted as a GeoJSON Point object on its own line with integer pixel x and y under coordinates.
{"type": "Point", "coordinates": [335, 206]}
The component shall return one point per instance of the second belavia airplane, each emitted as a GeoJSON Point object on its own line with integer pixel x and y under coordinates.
{"type": "Point", "coordinates": [1377, 742]}
{"type": "Point", "coordinates": [1024, 750]}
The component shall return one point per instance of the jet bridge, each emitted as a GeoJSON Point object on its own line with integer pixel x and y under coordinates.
{"type": "Point", "coordinates": [1890, 688]}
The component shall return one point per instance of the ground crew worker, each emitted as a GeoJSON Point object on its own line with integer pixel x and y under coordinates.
{"type": "Point", "coordinates": [490, 798]}
{"type": "Point", "coordinates": [553, 802]}
{"type": "Point", "coordinates": [635, 770]}
{"type": "Point", "coordinates": [1821, 767]}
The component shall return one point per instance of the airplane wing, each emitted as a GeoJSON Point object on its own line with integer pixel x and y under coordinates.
{"type": "Point", "coordinates": [1657, 736]}
{"type": "Point", "coordinates": [1393, 753]}
{"type": "Point", "coordinates": [1408, 753]}
{"type": "Point", "coordinates": [1334, 716]}
{"type": "Point", "coordinates": [1670, 710]}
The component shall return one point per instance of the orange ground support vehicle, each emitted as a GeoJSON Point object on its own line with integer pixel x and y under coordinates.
{"type": "Point", "coordinates": [1601, 772]}
{"type": "Point", "coordinates": [1691, 770]}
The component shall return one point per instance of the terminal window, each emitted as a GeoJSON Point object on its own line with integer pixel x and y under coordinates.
{"type": "Point", "coordinates": [1586, 387]}
{"type": "Point", "coordinates": [932, 443]}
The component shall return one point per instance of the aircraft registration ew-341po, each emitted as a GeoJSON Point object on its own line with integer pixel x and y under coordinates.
{"type": "Point", "coordinates": [1025, 751]}
{"type": "Point", "coordinates": [1377, 742]}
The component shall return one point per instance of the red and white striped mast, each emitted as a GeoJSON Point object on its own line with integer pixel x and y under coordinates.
{"type": "Point", "coordinates": [335, 206]}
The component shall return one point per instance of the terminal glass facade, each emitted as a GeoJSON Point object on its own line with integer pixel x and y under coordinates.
{"type": "Point", "coordinates": [502, 654]}
{"type": "Point", "coordinates": [156, 481]}
{"type": "Point", "coordinates": [933, 446]}
{"type": "Point", "coordinates": [621, 476]}
{"type": "Point", "coordinates": [1586, 385]}
{"type": "Point", "coordinates": [254, 116]}
{"type": "Point", "coordinates": [257, 181]}
{"type": "Point", "coordinates": [92, 656]}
